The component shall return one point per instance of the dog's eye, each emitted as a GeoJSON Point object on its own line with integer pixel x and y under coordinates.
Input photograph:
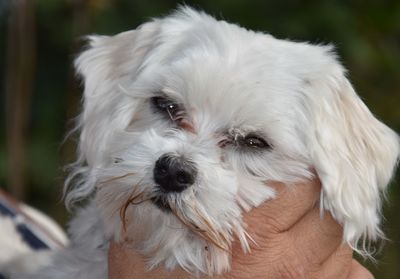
{"type": "Point", "coordinates": [254, 141]}
{"type": "Point", "coordinates": [167, 106]}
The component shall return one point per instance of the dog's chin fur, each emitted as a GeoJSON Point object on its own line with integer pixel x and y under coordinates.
{"type": "Point", "coordinates": [229, 83]}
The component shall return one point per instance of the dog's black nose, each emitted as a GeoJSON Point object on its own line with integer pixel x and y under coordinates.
{"type": "Point", "coordinates": [173, 173]}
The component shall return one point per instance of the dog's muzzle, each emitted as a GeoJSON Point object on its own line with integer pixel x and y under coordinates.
{"type": "Point", "coordinates": [174, 173]}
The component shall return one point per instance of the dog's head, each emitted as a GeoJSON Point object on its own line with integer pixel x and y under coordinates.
{"type": "Point", "coordinates": [187, 118]}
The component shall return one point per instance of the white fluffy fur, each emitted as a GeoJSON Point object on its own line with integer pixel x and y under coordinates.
{"type": "Point", "coordinates": [231, 81]}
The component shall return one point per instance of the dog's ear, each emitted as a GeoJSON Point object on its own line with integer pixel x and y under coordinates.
{"type": "Point", "coordinates": [106, 66]}
{"type": "Point", "coordinates": [354, 155]}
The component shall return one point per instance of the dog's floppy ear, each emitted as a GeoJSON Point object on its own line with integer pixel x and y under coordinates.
{"type": "Point", "coordinates": [354, 155]}
{"type": "Point", "coordinates": [109, 63]}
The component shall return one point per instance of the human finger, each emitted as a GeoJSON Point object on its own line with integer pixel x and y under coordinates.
{"type": "Point", "coordinates": [316, 237]}
{"type": "Point", "coordinates": [337, 265]}
{"type": "Point", "coordinates": [291, 203]}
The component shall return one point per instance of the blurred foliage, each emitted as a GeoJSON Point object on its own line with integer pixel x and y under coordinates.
{"type": "Point", "coordinates": [365, 33]}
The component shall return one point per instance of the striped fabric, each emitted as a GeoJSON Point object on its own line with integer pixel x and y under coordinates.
{"type": "Point", "coordinates": [24, 230]}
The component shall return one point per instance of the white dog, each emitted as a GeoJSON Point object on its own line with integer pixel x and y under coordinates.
{"type": "Point", "coordinates": [186, 119]}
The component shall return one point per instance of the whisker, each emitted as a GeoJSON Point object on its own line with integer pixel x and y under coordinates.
{"type": "Point", "coordinates": [141, 201]}
{"type": "Point", "coordinates": [214, 237]}
{"type": "Point", "coordinates": [205, 229]}
{"type": "Point", "coordinates": [116, 178]}
{"type": "Point", "coordinates": [123, 209]}
{"type": "Point", "coordinates": [222, 238]}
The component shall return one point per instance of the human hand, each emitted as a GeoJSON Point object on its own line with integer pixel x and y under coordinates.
{"type": "Point", "coordinates": [293, 241]}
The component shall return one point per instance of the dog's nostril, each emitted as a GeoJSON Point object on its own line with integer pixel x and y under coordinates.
{"type": "Point", "coordinates": [184, 177]}
{"type": "Point", "coordinates": [174, 174]}
{"type": "Point", "coordinates": [162, 170]}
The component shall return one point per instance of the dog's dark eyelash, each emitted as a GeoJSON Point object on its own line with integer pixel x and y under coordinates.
{"type": "Point", "coordinates": [251, 141]}
{"type": "Point", "coordinates": [168, 106]}
{"type": "Point", "coordinates": [254, 141]}
{"type": "Point", "coordinates": [164, 104]}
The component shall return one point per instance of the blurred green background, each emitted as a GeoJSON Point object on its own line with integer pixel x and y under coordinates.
{"type": "Point", "coordinates": [40, 95]}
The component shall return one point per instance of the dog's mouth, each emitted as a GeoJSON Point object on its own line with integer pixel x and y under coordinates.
{"type": "Point", "coordinates": [161, 203]}
{"type": "Point", "coordinates": [198, 221]}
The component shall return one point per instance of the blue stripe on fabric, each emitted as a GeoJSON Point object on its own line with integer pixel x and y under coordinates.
{"type": "Point", "coordinates": [30, 238]}
{"type": "Point", "coordinates": [5, 210]}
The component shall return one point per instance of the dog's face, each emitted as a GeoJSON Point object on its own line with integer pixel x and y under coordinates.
{"type": "Point", "coordinates": [187, 119]}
